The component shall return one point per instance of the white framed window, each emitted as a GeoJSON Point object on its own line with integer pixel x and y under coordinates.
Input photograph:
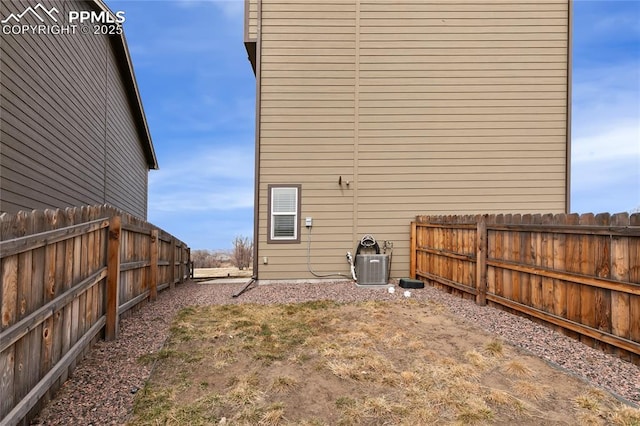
{"type": "Point", "coordinates": [284, 213]}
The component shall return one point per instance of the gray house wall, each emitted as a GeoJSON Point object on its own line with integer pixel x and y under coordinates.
{"type": "Point", "coordinates": [70, 125]}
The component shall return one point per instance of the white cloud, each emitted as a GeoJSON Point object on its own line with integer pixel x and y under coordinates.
{"type": "Point", "coordinates": [605, 160]}
{"type": "Point", "coordinates": [617, 142]}
{"type": "Point", "coordinates": [233, 9]}
{"type": "Point", "coordinates": [203, 179]}
{"type": "Point", "coordinates": [604, 95]}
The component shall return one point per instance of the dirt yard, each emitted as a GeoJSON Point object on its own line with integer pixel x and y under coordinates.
{"type": "Point", "coordinates": [402, 362]}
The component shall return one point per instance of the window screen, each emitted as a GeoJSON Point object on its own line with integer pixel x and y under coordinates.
{"type": "Point", "coordinates": [284, 213]}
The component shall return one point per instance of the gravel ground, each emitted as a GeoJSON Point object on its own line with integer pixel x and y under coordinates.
{"type": "Point", "coordinates": [103, 386]}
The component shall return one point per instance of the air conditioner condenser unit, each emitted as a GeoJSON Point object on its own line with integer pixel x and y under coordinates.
{"type": "Point", "coordinates": [372, 269]}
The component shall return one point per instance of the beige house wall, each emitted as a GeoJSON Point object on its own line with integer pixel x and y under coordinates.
{"type": "Point", "coordinates": [424, 107]}
{"type": "Point", "coordinates": [251, 20]}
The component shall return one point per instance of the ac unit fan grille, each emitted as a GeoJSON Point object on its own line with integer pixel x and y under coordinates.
{"type": "Point", "coordinates": [372, 269]}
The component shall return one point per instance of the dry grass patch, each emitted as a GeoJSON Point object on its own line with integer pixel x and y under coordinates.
{"type": "Point", "coordinates": [530, 390]}
{"type": "Point", "coordinates": [494, 348]}
{"type": "Point", "coordinates": [322, 363]}
{"type": "Point", "coordinates": [517, 369]}
{"type": "Point", "coordinates": [283, 384]}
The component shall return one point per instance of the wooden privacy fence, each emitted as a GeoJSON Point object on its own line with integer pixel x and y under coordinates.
{"type": "Point", "coordinates": [578, 274]}
{"type": "Point", "coordinates": [67, 277]}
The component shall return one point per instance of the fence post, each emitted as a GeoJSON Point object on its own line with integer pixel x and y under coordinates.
{"type": "Point", "coordinates": [181, 267]}
{"type": "Point", "coordinates": [153, 270]}
{"type": "Point", "coordinates": [189, 265]}
{"type": "Point", "coordinates": [113, 278]}
{"type": "Point", "coordinates": [172, 264]}
{"type": "Point", "coordinates": [481, 261]}
{"type": "Point", "coordinates": [413, 256]}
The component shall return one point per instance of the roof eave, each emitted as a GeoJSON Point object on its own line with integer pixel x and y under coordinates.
{"type": "Point", "coordinates": [119, 42]}
{"type": "Point", "coordinates": [251, 52]}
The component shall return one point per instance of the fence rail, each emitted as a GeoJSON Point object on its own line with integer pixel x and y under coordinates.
{"type": "Point", "coordinates": [578, 274]}
{"type": "Point", "coordinates": [68, 276]}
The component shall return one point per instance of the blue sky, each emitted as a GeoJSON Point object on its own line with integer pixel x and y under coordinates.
{"type": "Point", "coordinates": [198, 92]}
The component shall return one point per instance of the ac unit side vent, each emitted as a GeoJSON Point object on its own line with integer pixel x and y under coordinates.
{"type": "Point", "coordinates": [372, 269]}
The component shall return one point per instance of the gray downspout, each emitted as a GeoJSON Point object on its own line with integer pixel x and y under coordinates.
{"type": "Point", "coordinates": [256, 191]}
{"type": "Point", "coordinates": [569, 77]}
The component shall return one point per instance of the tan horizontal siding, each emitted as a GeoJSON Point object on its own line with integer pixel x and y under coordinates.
{"type": "Point", "coordinates": [292, 174]}
{"type": "Point", "coordinates": [328, 156]}
{"type": "Point", "coordinates": [427, 107]}
{"type": "Point", "coordinates": [464, 165]}
{"type": "Point", "coordinates": [311, 163]}
{"type": "Point", "coordinates": [446, 57]}
{"type": "Point", "coordinates": [468, 152]}
{"type": "Point", "coordinates": [331, 17]}
{"type": "Point", "coordinates": [451, 130]}
{"type": "Point", "coordinates": [306, 126]}
{"type": "Point", "coordinates": [309, 104]}
{"type": "Point", "coordinates": [495, 75]}
{"type": "Point", "coordinates": [482, 16]}
{"type": "Point", "coordinates": [457, 37]}
{"type": "Point", "coordinates": [251, 20]}
{"type": "Point", "coordinates": [307, 36]}
{"type": "Point", "coordinates": [455, 51]}
{"type": "Point", "coordinates": [320, 240]}
{"type": "Point", "coordinates": [308, 67]}
{"type": "Point", "coordinates": [444, 116]}
{"type": "Point", "coordinates": [463, 5]}
{"type": "Point", "coordinates": [308, 8]}
{"type": "Point", "coordinates": [488, 204]}
{"type": "Point", "coordinates": [471, 19]}
{"type": "Point", "coordinates": [511, 113]}
{"type": "Point", "coordinates": [312, 144]}
{"type": "Point", "coordinates": [532, 28]}
{"type": "Point", "coordinates": [453, 145]}
{"type": "Point", "coordinates": [372, 202]}
{"type": "Point", "coordinates": [303, 21]}
{"type": "Point", "coordinates": [461, 169]}
{"type": "Point", "coordinates": [307, 129]}
{"type": "Point", "coordinates": [443, 179]}
{"type": "Point", "coordinates": [322, 44]}
{"type": "Point", "coordinates": [397, 87]}
{"type": "Point", "coordinates": [417, 103]}
{"type": "Point", "coordinates": [512, 186]}
{"type": "Point", "coordinates": [304, 82]}
{"type": "Point", "coordinates": [491, 73]}
{"type": "Point", "coordinates": [450, 95]}
{"type": "Point", "coordinates": [309, 119]}
{"type": "Point", "coordinates": [427, 43]}
{"type": "Point", "coordinates": [302, 133]}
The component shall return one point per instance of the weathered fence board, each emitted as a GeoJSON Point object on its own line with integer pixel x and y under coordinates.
{"type": "Point", "coordinates": [53, 294]}
{"type": "Point", "coordinates": [577, 274]}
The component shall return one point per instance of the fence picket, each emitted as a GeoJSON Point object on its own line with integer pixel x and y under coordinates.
{"type": "Point", "coordinates": [499, 238]}
{"type": "Point", "coordinates": [560, 270]}
{"type": "Point", "coordinates": [587, 293]}
{"type": "Point", "coordinates": [46, 258]}
{"type": "Point", "coordinates": [536, 260]}
{"type": "Point", "coordinates": [514, 242]}
{"type": "Point", "coordinates": [526, 257]}
{"type": "Point", "coordinates": [559, 286]}
{"type": "Point", "coordinates": [621, 318]}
